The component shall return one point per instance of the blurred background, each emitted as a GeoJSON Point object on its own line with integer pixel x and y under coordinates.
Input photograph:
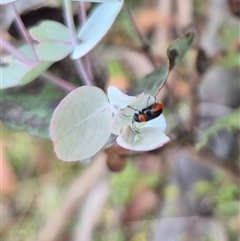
{"type": "Point", "coordinates": [187, 190]}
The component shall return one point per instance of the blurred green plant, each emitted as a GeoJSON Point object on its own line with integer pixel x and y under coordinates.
{"type": "Point", "coordinates": [125, 181]}
{"type": "Point", "coordinates": [230, 44]}
{"type": "Point", "coordinates": [231, 121]}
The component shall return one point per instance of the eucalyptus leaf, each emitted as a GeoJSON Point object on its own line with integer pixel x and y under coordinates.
{"type": "Point", "coordinates": [98, 23]}
{"type": "Point", "coordinates": [16, 72]}
{"type": "Point", "coordinates": [80, 125]}
{"type": "Point", "coordinates": [34, 72]}
{"type": "Point", "coordinates": [50, 30]}
{"type": "Point", "coordinates": [149, 83]}
{"type": "Point", "coordinates": [178, 49]}
{"type": "Point", "coordinates": [50, 51]}
{"type": "Point", "coordinates": [54, 40]}
{"type": "Point", "coordinates": [149, 139]}
{"type": "Point", "coordinates": [11, 74]}
{"type": "Point", "coordinates": [155, 80]}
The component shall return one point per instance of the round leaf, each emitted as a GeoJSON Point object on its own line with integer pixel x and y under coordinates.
{"type": "Point", "coordinates": [80, 125]}
{"type": "Point", "coordinates": [55, 42]}
{"type": "Point", "coordinates": [51, 30]}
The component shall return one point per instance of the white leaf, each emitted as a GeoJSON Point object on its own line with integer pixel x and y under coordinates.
{"type": "Point", "coordinates": [147, 139]}
{"type": "Point", "coordinates": [159, 122]}
{"type": "Point", "coordinates": [118, 99]}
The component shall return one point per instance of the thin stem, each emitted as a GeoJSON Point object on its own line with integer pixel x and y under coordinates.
{"type": "Point", "coordinates": [23, 30]}
{"type": "Point", "coordinates": [56, 80]}
{"type": "Point", "coordinates": [14, 51]}
{"type": "Point", "coordinates": [81, 12]}
{"type": "Point", "coordinates": [59, 82]}
{"type": "Point", "coordinates": [88, 65]}
{"type": "Point", "coordinates": [68, 15]}
{"type": "Point", "coordinates": [81, 72]}
{"type": "Point", "coordinates": [82, 20]}
{"type": "Point", "coordinates": [144, 42]}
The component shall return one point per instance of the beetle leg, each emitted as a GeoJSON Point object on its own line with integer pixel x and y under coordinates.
{"type": "Point", "coordinates": [134, 127]}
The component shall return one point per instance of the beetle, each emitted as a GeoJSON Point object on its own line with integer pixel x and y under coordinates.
{"type": "Point", "coordinates": [148, 113]}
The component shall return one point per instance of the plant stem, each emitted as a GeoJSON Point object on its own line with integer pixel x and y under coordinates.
{"type": "Point", "coordinates": [14, 51]}
{"type": "Point", "coordinates": [81, 12]}
{"type": "Point", "coordinates": [82, 20]}
{"type": "Point", "coordinates": [54, 79]}
{"type": "Point", "coordinates": [59, 82]}
{"type": "Point", "coordinates": [23, 30]}
{"type": "Point", "coordinates": [81, 72]}
{"type": "Point", "coordinates": [68, 15]}
{"type": "Point", "coordinates": [144, 42]}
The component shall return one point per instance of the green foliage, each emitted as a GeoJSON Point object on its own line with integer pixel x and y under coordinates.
{"type": "Point", "coordinates": [230, 121]}
{"type": "Point", "coordinates": [229, 34]}
{"type": "Point", "coordinates": [21, 156]}
{"type": "Point", "coordinates": [16, 73]}
{"type": "Point", "coordinates": [117, 235]}
{"type": "Point", "coordinates": [226, 193]}
{"type": "Point", "coordinates": [114, 68]}
{"type": "Point", "coordinates": [30, 109]}
{"type": "Point", "coordinates": [54, 40]}
{"type": "Point", "coordinates": [124, 182]}
{"type": "Point", "coordinates": [172, 192]}
{"type": "Point", "coordinates": [155, 80]}
{"type": "Point", "coordinates": [229, 38]}
{"type": "Point", "coordinates": [231, 59]}
{"type": "Point", "coordinates": [201, 187]}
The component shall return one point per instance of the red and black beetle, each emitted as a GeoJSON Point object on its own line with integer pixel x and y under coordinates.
{"type": "Point", "coordinates": [149, 112]}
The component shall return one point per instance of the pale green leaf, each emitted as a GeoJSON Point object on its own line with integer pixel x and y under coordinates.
{"type": "Point", "coordinates": [54, 40]}
{"type": "Point", "coordinates": [96, 26]}
{"type": "Point", "coordinates": [17, 73]}
{"type": "Point", "coordinates": [51, 30]}
{"type": "Point", "coordinates": [155, 80]}
{"type": "Point", "coordinates": [80, 125]}
{"type": "Point", "coordinates": [50, 51]}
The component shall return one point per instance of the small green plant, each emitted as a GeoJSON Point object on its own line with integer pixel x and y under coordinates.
{"type": "Point", "coordinates": [87, 119]}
